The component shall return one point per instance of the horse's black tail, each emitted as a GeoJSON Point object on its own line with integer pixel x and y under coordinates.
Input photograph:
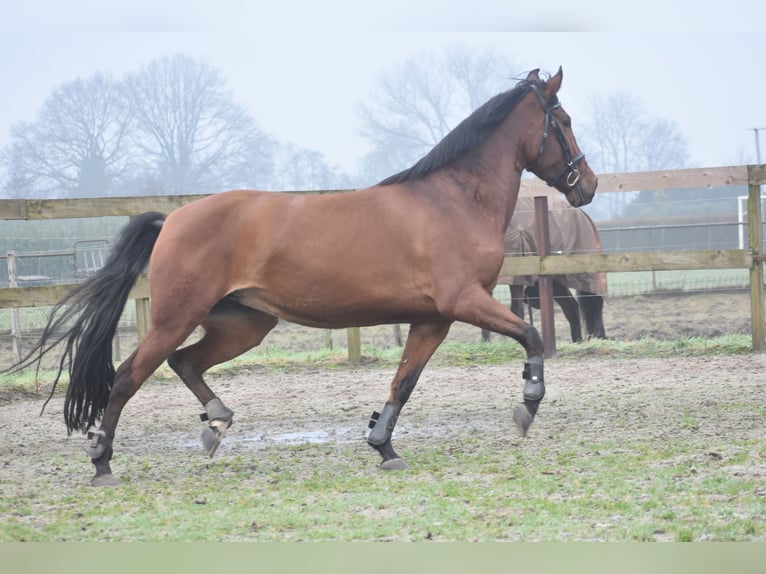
{"type": "Point", "coordinates": [93, 310]}
{"type": "Point", "coordinates": [592, 310]}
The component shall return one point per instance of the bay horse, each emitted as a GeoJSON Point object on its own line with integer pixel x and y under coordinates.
{"type": "Point", "coordinates": [423, 247]}
{"type": "Point", "coordinates": [571, 231]}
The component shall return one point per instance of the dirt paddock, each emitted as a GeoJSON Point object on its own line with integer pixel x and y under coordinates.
{"type": "Point", "coordinates": [713, 402]}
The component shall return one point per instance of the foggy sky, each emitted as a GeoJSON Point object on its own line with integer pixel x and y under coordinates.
{"type": "Point", "coordinates": [301, 68]}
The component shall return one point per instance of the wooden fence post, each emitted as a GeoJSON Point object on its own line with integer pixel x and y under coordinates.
{"type": "Point", "coordinates": [143, 315]}
{"type": "Point", "coordinates": [755, 243]}
{"type": "Point", "coordinates": [116, 352]}
{"type": "Point", "coordinates": [143, 318]}
{"type": "Point", "coordinates": [398, 334]}
{"type": "Point", "coordinates": [15, 324]}
{"type": "Point", "coordinates": [354, 336]}
{"type": "Point", "coordinates": [543, 239]}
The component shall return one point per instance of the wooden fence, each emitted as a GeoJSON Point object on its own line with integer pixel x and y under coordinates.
{"type": "Point", "coordinates": [751, 258]}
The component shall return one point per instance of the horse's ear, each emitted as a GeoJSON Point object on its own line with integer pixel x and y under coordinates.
{"type": "Point", "coordinates": [534, 75]}
{"type": "Point", "coordinates": [552, 86]}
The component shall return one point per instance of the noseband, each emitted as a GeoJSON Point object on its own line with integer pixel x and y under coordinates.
{"type": "Point", "coordinates": [571, 173]}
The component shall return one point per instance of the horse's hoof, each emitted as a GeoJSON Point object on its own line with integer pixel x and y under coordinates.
{"type": "Point", "coordinates": [393, 464]}
{"type": "Point", "coordinates": [105, 480]}
{"type": "Point", "coordinates": [522, 419]}
{"type": "Point", "coordinates": [211, 439]}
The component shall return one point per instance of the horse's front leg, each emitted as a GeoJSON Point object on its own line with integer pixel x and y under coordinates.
{"type": "Point", "coordinates": [534, 390]}
{"type": "Point", "coordinates": [422, 341]}
{"type": "Point", "coordinates": [477, 307]}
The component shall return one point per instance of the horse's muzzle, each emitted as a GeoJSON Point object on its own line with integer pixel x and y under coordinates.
{"type": "Point", "coordinates": [578, 195]}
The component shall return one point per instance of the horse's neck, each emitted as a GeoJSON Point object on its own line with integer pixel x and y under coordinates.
{"type": "Point", "coordinates": [497, 167]}
{"type": "Point", "coordinates": [512, 148]}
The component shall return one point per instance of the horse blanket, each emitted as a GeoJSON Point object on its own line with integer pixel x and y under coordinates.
{"type": "Point", "coordinates": [571, 231]}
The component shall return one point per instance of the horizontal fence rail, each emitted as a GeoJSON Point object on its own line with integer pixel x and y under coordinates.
{"type": "Point", "coordinates": [753, 176]}
{"type": "Point", "coordinates": [29, 209]}
{"type": "Point", "coordinates": [43, 296]}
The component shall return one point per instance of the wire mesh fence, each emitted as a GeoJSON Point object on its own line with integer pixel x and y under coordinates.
{"type": "Point", "coordinates": [664, 308]}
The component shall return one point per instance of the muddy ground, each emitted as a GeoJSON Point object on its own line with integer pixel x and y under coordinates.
{"type": "Point", "coordinates": [714, 401]}
{"type": "Point", "coordinates": [701, 397]}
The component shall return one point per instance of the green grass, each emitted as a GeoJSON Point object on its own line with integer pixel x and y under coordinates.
{"type": "Point", "coordinates": [313, 492]}
{"type": "Point", "coordinates": [449, 353]}
{"type": "Point", "coordinates": [495, 352]}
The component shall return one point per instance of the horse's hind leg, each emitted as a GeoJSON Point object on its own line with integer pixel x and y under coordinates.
{"type": "Point", "coordinates": [569, 306]}
{"type": "Point", "coordinates": [565, 300]}
{"type": "Point", "coordinates": [422, 341]}
{"type": "Point", "coordinates": [592, 307]}
{"type": "Point", "coordinates": [149, 354]}
{"type": "Point", "coordinates": [230, 330]}
{"type": "Point", "coordinates": [517, 300]}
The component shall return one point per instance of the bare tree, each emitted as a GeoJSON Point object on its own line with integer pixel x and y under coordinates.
{"type": "Point", "coordinates": [4, 173]}
{"type": "Point", "coordinates": [297, 169]}
{"type": "Point", "coordinates": [621, 137]}
{"type": "Point", "coordinates": [193, 136]}
{"type": "Point", "coordinates": [76, 146]}
{"type": "Point", "coordinates": [416, 104]}
{"type": "Point", "coordinates": [664, 146]}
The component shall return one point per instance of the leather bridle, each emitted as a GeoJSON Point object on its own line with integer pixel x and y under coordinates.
{"type": "Point", "coordinates": [571, 173]}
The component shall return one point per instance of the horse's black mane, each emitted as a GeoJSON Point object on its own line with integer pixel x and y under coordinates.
{"type": "Point", "coordinates": [467, 135]}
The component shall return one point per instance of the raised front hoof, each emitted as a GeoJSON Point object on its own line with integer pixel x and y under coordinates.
{"type": "Point", "coordinates": [522, 418]}
{"type": "Point", "coordinates": [211, 440]}
{"type": "Point", "coordinates": [105, 480]}
{"type": "Point", "coordinates": [393, 464]}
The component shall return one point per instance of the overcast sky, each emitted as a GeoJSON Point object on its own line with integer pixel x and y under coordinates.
{"type": "Point", "coordinates": [301, 68]}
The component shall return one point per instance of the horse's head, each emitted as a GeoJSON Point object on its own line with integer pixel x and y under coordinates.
{"type": "Point", "coordinates": [560, 162]}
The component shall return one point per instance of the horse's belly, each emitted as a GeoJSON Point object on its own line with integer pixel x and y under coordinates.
{"type": "Point", "coordinates": [316, 309]}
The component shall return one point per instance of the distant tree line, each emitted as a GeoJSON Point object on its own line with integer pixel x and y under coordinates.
{"type": "Point", "coordinates": [416, 103]}
{"type": "Point", "coordinates": [173, 127]}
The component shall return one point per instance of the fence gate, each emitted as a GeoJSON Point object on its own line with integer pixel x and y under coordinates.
{"type": "Point", "coordinates": [89, 256]}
